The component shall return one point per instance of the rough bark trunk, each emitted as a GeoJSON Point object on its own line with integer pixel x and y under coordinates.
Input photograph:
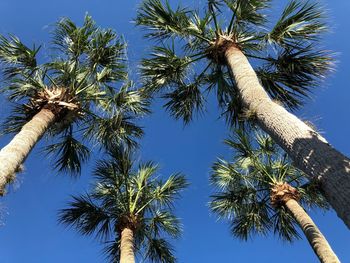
{"type": "Point", "coordinates": [317, 241]}
{"type": "Point", "coordinates": [310, 151]}
{"type": "Point", "coordinates": [127, 246]}
{"type": "Point", "coordinates": [14, 153]}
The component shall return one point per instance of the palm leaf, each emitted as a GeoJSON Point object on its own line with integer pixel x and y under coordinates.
{"type": "Point", "coordinates": [162, 20]}
{"type": "Point", "coordinates": [300, 21]}
{"type": "Point", "coordinates": [69, 154]}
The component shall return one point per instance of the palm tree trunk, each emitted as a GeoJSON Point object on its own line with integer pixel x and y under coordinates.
{"type": "Point", "coordinates": [309, 150]}
{"type": "Point", "coordinates": [14, 153]}
{"type": "Point", "coordinates": [317, 241]}
{"type": "Point", "coordinates": [127, 246]}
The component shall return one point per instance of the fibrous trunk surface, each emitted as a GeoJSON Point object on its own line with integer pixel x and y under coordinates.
{"type": "Point", "coordinates": [127, 246]}
{"type": "Point", "coordinates": [316, 239]}
{"type": "Point", "coordinates": [14, 154]}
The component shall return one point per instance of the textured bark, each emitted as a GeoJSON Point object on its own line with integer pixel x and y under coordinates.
{"type": "Point", "coordinates": [310, 151]}
{"type": "Point", "coordinates": [14, 153]}
{"type": "Point", "coordinates": [317, 241]}
{"type": "Point", "coordinates": [127, 246]}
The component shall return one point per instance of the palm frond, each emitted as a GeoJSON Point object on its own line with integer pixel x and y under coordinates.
{"type": "Point", "coordinates": [105, 54]}
{"type": "Point", "coordinates": [87, 217]}
{"type": "Point", "coordinates": [119, 163]}
{"type": "Point", "coordinates": [266, 145]}
{"type": "Point", "coordinates": [252, 219]}
{"type": "Point", "coordinates": [285, 225]}
{"type": "Point", "coordinates": [185, 101]}
{"type": "Point", "coordinates": [129, 100]}
{"type": "Point", "coordinates": [112, 251]}
{"type": "Point", "coordinates": [223, 174]}
{"type": "Point", "coordinates": [294, 72]}
{"type": "Point", "coordinates": [71, 39]}
{"type": "Point", "coordinates": [300, 21]}
{"type": "Point", "coordinates": [69, 154]}
{"type": "Point", "coordinates": [17, 59]}
{"type": "Point", "coordinates": [288, 78]}
{"type": "Point", "coordinates": [19, 116]}
{"type": "Point", "coordinates": [123, 196]}
{"type": "Point", "coordinates": [312, 196]}
{"type": "Point", "coordinates": [164, 222]}
{"type": "Point", "coordinates": [162, 68]}
{"type": "Point", "coordinates": [144, 173]}
{"type": "Point", "coordinates": [228, 203]}
{"type": "Point", "coordinates": [161, 20]}
{"type": "Point", "coordinates": [159, 251]}
{"type": "Point", "coordinates": [241, 144]}
{"type": "Point", "coordinates": [114, 130]}
{"type": "Point", "coordinates": [247, 11]}
{"type": "Point", "coordinates": [170, 189]}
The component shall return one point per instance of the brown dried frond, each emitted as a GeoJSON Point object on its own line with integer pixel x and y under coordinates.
{"type": "Point", "coordinates": [281, 193]}
{"type": "Point", "coordinates": [12, 178]}
{"type": "Point", "coordinates": [217, 49]}
{"type": "Point", "coordinates": [55, 98]}
{"type": "Point", "coordinates": [59, 100]}
{"type": "Point", "coordinates": [248, 114]}
{"type": "Point", "coordinates": [128, 221]}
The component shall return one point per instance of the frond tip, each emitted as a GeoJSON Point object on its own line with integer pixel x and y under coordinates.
{"type": "Point", "coordinates": [299, 21]}
{"type": "Point", "coordinates": [70, 154]}
{"type": "Point", "coordinates": [161, 20]}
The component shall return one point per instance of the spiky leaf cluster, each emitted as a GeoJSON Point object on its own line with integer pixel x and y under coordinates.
{"type": "Point", "coordinates": [83, 80]}
{"type": "Point", "coordinates": [243, 188]}
{"type": "Point", "coordinates": [127, 197]}
{"type": "Point", "coordinates": [186, 64]}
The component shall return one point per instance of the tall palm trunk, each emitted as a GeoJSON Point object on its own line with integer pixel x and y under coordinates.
{"type": "Point", "coordinates": [14, 153]}
{"type": "Point", "coordinates": [317, 241]}
{"type": "Point", "coordinates": [127, 246]}
{"type": "Point", "coordinates": [310, 151]}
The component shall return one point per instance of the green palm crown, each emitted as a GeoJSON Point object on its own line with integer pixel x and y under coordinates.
{"type": "Point", "coordinates": [78, 83]}
{"type": "Point", "coordinates": [245, 188]}
{"type": "Point", "coordinates": [189, 61]}
{"type": "Point", "coordinates": [124, 197]}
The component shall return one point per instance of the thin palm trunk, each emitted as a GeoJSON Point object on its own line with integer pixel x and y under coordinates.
{"type": "Point", "coordinates": [127, 246]}
{"type": "Point", "coordinates": [317, 241]}
{"type": "Point", "coordinates": [14, 153]}
{"type": "Point", "coordinates": [310, 151]}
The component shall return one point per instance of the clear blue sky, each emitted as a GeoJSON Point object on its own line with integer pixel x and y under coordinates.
{"type": "Point", "coordinates": [31, 233]}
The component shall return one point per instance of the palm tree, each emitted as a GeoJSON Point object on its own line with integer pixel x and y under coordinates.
{"type": "Point", "coordinates": [70, 96]}
{"type": "Point", "coordinates": [132, 206]}
{"type": "Point", "coordinates": [213, 52]}
{"type": "Point", "coordinates": [260, 191]}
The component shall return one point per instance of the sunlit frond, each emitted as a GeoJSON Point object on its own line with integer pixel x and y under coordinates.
{"type": "Point", "coordinates": [161, 20]}
{"type": "Point", "coordinates": [163, 68]}
{"type": "Point", "coordinates": [16, 58]}
{"type": "Point", "coordinates": [299, 21]}
{"type": "Point", "coordinates": [71, 39]}
{"type": "Point", "coordinates": [170, 189]}
{"type": "Point", "coordinates": [247, 11]}
{"type": "Point", "coordinates": [165, 222]}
